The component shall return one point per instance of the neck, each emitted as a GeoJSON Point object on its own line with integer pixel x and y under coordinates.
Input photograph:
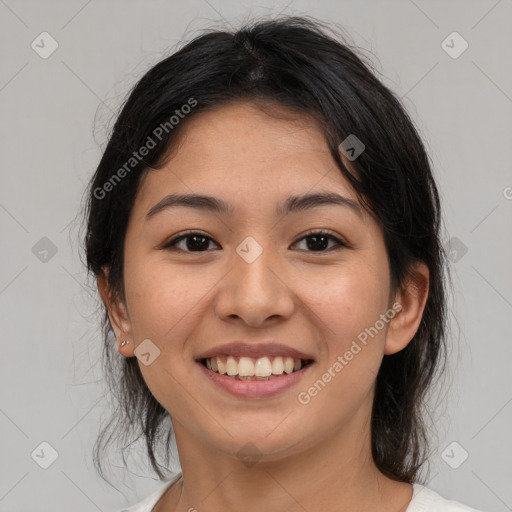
{"type": "Point", "coordinates": [337, 473]}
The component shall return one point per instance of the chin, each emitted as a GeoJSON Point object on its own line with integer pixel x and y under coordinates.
{"type": "Point", "coordinates": [261, 444]}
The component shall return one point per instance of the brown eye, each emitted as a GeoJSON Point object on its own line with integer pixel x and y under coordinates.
{"type": "Point", "coordinates": [318, 241]}
{"type": "Point", "coordinates": [194, 241]}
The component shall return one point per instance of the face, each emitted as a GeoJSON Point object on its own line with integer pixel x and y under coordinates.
{"type": "Point", "coordinates": [258, 274]}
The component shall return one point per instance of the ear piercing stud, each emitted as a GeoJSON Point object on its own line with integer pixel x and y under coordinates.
{"type": "Point", "coordinates": [125, 342]}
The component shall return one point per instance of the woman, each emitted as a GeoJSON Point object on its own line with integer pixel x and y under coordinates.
{"type": "Point", "coordinates": [264, 230]}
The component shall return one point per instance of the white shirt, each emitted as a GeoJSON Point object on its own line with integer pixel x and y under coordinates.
{"type": "Point", "coordinates": [423, 500]}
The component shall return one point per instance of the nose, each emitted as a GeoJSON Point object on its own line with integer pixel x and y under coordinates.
{"type": "Point", "coordinates": [255, 291]}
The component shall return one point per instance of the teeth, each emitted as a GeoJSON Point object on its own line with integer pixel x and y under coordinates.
{"type": "Point", "coordinates": [231, 366]}
{"type": "Point", "coordinates": [245, 367]}
{"type": "Point", "coordinates": [278, 366]}
{"type": "Point", "coordinates": [288, 365]}
{"type": "Point", "coordinates": [263, 368]}
{"type": "Point", "coordinates": [248, 368]}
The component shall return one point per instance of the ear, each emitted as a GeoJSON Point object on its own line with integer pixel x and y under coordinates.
{"type": "Point", "coordinates": [412, 298]}
{"type": "Point", "coordinates": [118, 315]}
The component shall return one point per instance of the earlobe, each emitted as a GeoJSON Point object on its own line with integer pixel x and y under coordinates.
{"type": "Point", "coordinates": [117, 314]}
{"type": "Point", "coordinates": [412, 298]}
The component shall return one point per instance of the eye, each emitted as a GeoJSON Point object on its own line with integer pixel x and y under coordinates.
{"type": "Point", "coordinates": [195, 241]}
{"type": "Point", "coordinates": [320, 240]}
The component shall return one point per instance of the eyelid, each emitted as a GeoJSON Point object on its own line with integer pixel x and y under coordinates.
{"type": "Point", "coordinates": [340, 241]}
{"type": "Point", "coordinates": [319, 232]}
{"type": "Point", "coordinates": [169, 243]}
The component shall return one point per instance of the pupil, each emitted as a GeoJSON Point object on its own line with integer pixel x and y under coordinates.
{"type": "Point", "coordinates": [316, 246]}
{"type": "Point", "coordinates": [195, 245]}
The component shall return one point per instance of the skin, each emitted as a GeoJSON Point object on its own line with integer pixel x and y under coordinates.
{"type": "Point", "coordinates": [313, 457]}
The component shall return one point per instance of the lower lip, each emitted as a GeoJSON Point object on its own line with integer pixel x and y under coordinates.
{"type": "Point", "coordinates": [255, 388]}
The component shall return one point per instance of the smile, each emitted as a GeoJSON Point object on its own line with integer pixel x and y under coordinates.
{"type": "Point", "coordinates": [254, 369]}
{"type": "Point", "coordinates": [254, 385]}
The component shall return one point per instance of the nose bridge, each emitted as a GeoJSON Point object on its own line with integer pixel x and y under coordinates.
{"type": "Point", "coordinates": [253, 263]}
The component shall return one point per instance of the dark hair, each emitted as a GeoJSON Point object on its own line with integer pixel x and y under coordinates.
{"type": "Point", "coordinates": [290, 62]}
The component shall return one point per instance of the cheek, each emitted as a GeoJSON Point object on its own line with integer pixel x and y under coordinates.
{"type": "Point", "coordinates": [163, 301]}
{"type": "Point", "coordinates": [348, 306]}
{"type": "Point", "coordinates": [347, 302]}
{"type": "Point", "coordinates": [165, 305]}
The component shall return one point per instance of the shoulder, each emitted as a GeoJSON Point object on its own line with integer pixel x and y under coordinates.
{"type": "Point", "coordinates": [147, 504]}
{"type": "Point", "coordinates": [427, 500]}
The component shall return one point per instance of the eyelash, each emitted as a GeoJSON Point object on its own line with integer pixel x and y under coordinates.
{"type": "Point", "coordinates": [170, 245]}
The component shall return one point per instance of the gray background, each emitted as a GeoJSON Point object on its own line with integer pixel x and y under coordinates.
{"type": "Point", "coordinates": [56, 113]}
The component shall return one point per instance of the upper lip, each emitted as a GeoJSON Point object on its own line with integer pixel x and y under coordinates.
{"type": "Point", "coordinates": [240, 348]}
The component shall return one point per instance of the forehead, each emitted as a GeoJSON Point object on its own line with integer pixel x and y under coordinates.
{"type": "Point", "coordinates": [240, 150]}
{"type": "Point", "coordinates": [266, 122]}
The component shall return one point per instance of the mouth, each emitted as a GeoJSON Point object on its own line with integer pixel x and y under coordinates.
{"type": "Point", "coordinates": [254, 368]}
{"type": "Point", "coordinates": [268, 376]}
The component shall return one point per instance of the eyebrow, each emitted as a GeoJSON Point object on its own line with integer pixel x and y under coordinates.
{"type": "Point", "coordinates": [297, 203]}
